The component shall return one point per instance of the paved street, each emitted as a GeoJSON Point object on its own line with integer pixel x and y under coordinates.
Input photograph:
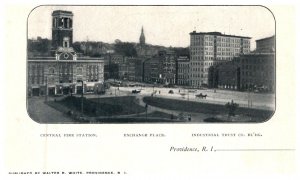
{"type": "Point", "coordinates": [244, 99]}
{"type": "Point", "coordinates": [259, 101]}
{"type": "Point", "coordinates": [43, 113]}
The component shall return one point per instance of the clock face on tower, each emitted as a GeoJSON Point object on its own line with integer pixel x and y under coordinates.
{"type": "Point", "coordinates": [65, 56]}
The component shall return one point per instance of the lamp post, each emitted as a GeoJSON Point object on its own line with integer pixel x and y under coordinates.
{"type": "Point", "coordinates": [46, 96]}
{"type": "Point", "coordinates": [214, 80]}
{"type": "Point", "coordinates": [153, 87]}
{"type": "Point", "coordinates": [81, 96]}
{"type": "Point", "coordinates": [146, 107]}
{"type": "Point", "coordinates": [60, 90]}
{"type": "Point", "coordinates": [249, 89]}
{"type": "Point", "coordinates": [71, 90]}
{"type": "Point", "coordinates": [97, 96]}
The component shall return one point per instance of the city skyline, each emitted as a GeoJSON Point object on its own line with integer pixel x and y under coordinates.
{"type": "Point", "coordinates": [108, 23]}
{"type": "Point", "coordinates": [138, 87]}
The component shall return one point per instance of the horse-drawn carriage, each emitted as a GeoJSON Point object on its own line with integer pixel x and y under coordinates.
{"type": "Point", "coordinates": [202, 96]}
{"type": "Point", "coordinates": [135, 91]}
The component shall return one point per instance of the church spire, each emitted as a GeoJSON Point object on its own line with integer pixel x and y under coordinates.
{"type": "Point", "coordinates": [142, 37]}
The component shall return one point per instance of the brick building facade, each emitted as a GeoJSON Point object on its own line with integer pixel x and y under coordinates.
{"type": "Point", "coordinates": [63, 72]}
{"type": "Point", "coordinates": [182, 71]}
{"type": "Point", "coordinates": [253, 72]}
{"type": "Point", "coordinates": [161, 68]}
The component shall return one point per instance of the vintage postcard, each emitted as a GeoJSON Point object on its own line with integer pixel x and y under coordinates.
{"type": "Point", "coordinates": [150, 91]}
{"type": "Point", "coordinates": [194, 68]}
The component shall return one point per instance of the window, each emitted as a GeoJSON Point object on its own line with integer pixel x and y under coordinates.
{"type": "Point", "coordinates": [66, 41]}
{"type": "Point", "coordinates": [79, 71]}
{"type": "Point", "coordinates": [51, 71]}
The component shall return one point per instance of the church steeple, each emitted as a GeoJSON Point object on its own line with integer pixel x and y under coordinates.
{"type": "Point", "coordinates": [142, 37]}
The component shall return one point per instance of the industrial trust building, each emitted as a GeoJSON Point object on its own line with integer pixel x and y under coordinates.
{"type": "Point", "coordinates": [63, 72]}
{"type": "Point", "coordinates": [211, 48]}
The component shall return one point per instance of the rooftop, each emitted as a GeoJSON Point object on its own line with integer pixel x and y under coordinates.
{"type": "Point", "coordinates": [41, 58]}
{"type": "Point", "coordinates": [217, 34]}
{"type": "Point", "coordinates": [259, 54]}
{"type": "Point", "coordinates": [266, 38]}
{"type": "Point", "coordinates": [61, 12]}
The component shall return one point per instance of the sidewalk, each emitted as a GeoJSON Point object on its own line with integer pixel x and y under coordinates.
{"type": "Point", "coordinates": [42, 113]}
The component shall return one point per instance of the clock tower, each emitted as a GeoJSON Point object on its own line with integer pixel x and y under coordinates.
{"type": "Point", "coordinates": [62, 29]}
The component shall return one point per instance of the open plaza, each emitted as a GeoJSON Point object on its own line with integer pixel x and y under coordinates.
{"type": "Point", "coordinates": [152, 104]}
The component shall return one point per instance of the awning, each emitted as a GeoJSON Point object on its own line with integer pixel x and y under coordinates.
{"type": "Point", "coordinates": [66, 85]}
{"type": "Point", "coordinates": [89, 84]}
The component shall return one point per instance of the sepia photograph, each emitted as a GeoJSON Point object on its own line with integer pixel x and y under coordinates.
{"type": "Point", "coordinates": [151, 64]}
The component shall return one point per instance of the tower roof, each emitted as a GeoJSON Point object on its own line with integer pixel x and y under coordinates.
{"type": "Point", "coordinates": [62, 13]}
{"type": "Point", "coordinates": [142, 37]}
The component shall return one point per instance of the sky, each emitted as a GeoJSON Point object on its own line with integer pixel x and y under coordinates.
{"type": "Point", "coordinates": [163, 25]}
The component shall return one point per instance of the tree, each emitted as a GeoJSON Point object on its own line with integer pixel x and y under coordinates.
{"type": "Point", "coordinates": [180, 51]}
{"type": "Point", "coordinates": [43, 45]}
{"type": "Point", "coordinates": [77, 47]}
{"type": "Point", "coordinates": [125, 49]}
{"type": "Point", "coordinates": [232, 107]}
{"type": "Point", "coordinates": [39, 47]}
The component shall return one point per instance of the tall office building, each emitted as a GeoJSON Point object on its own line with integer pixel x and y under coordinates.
{"type": "Point", "coordinates": [211, 48]}
{"type": "Point", "coordinates": [265, 45]}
